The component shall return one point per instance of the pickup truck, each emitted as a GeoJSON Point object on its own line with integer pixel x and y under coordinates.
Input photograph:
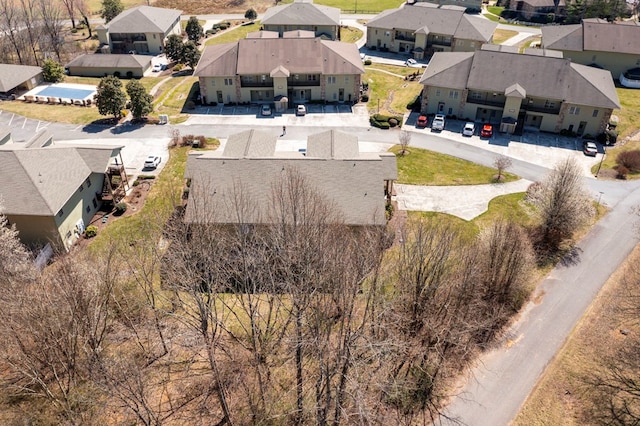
{"type": "Point", "coordinates": [438, 122]}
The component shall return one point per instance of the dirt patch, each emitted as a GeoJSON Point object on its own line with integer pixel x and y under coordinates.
{"type": "Point", "coordinates": [105, 216]}
{"type": "Point", "coordinates": [204, 7]}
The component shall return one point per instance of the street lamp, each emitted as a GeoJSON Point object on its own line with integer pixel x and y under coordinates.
{"type": "Point", "coordinates": [604, 152]}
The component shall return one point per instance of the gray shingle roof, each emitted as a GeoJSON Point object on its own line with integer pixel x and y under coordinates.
{"type": "Point", "coordinates": [431, 18]}
{"type": "Point", "coordinates": [301, 13]}
{"type": "Point", "coordinates": [98, 60]}
{"type": "Point", "coordinates": [297, 55]}
{"type": "Point", "coordinates": [144, 19]}
{"type": "Point", "coordinates": [39, 181]}
{"type": "Point", "coordinates": [594, 35]}
{"type": "Point", "coordinates": [540, 76]}
{"type": "Point", "coordinates": [12, 76]}
{"type": "Point", "coordinates": [352, 181]}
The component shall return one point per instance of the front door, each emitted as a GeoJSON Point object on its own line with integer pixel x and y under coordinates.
{"type": "Point", "coordinates": [581, 127]}
{"type": "Point", "coordinates": [341, 95]}
{"type": "Point", "coordinates": [220, 98]}
{"type": "Point", "coordinates": [440, 107]}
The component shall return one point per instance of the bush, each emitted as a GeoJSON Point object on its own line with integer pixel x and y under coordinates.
{"type": "Point", "coordinates": [393, 122]}
{"type": "Point", "coordinates": [178, 67]}
{"type": "Point", "coordinates": [367, 62]}
{"type": "Point", "coordinates": [146, 177]}
{"type": "Point", "coordinates": [91, 231]}
{"type": "Point", "coordinates": [190, 105]}
{"type": "Point", "coordinates": [622, 172]}
{"type": "Point", "coordinates": [365, 98]}
{"type": "Point", "coordinates": [588, 137]}
{"type": "Point", "coordinates": [630, 160]}
{"type": "Point", "coordinates": [378, 124]}
{"type": "Point", "coordinates": [120, 208]}
{"type": "Point", "coordinates": [381, 117]}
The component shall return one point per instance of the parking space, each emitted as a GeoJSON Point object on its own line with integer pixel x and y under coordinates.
{"type": "Point", "coordinates": [544, 149]}
{"type": "Point", "coordinates": [134, 152]}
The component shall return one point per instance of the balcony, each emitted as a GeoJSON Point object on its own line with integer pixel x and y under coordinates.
{"type": "Point", "coordinates": [543, 110]}
{"type": "Point", "coordinates": [490, 102]}
{"type": "Point", "coordinates": [256, 83]}
{"type": "Point", "coordinates": [403, 37]}
{"type": "Point", "coordinates": [128, 38]}
{"type": "Point", "coordinates": [303, 83]}
{"type": "Point", "coordinates": [439, 43]}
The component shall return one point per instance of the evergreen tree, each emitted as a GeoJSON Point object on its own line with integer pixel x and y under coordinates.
{"type": "Point", "coordinates": [194, 30]}
{"type": "Point", "coordinates": [251, 14]}
{"type": "Point", "coordinates": [111, 9]}
{"type": "Point", "coordinates": [190, 54]}
{"type": "Point", "coordinates": [173, 48]}
{"type": "Point", "coordinates": [110, 98]}
{"type": "Point", "coordinates": [141, 101]}
{"type": "Point", "coordinates": [52, 71]}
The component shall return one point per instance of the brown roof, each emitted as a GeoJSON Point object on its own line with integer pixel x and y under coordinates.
{"type": "Point", "coordinates": [296, 55]}
{"type": "Point", "coordinates": [11, 76]}
{"type": "Point", "coordinates": [99, 60]}
{"type": "Point", "coordinates": [431, 18]}
{"type": "Point", "coordinates": [595, 35]}
{"type": "Point", "coordinates": [301, 13]}
{"type": "Point", "coordinates": [539, 76]}
{"type": "Point", "coordinates": [144, 19]}
{"type": "Point", "coordinates": [249, 167]}
{"type": "Point", "coordinates": [39, 181]}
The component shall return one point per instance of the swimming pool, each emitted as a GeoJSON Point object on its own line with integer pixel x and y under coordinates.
{"type": "Point", "coordinates": [65, 92]}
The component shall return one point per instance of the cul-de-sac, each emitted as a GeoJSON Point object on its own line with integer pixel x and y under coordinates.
{"type": "Point", "coordinates": [319, 212]}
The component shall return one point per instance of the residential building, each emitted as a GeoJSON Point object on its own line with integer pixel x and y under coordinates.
{"type": "Point", "coordinates": [99, 65]}
{"type": "Point", "coordinates": [422, 29]}
{"type": "Point", "coordinates": [15, 79]}
{"type": "Point", "coordinates": [262, 68]}
{"type": "Point", "coordinates": [236, 184]}
{"type": "Point", "coordinates": [469, 5]}
{"type": "Point", "coordinates": [538, 89]}
{"type": "Point", "coordinates": [51, 192]}
{"type": "Point", "coordinates": [614, 46]}
{"type": "Point", "coordinates": [142, 29]}
{"type": "Point", "coordinates": [323, 21]}
{"type": "Point", "coordinates": [539, 10]}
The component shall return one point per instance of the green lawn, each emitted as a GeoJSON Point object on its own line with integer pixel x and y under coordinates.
{"type": "Point", "coordinates": [496, 10]}
{"type": "Point", "coordinates": [234, 34]}
{"type": "Point", "coordinates": [629, 121]}
{"type": "Point", "coordinates": [423, 167]}
{"type": "Point", "coordinates": [350, 34]}
{"type": "Point", "coordinates": [389, 93]}
{"type": "Point", "coordinates": [56, 113]}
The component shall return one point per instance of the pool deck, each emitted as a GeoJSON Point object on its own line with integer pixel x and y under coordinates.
{"type": "Point", "coordinates": [32, 95]}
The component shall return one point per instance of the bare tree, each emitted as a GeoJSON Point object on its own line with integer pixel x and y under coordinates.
{"type": "Point", "coordinates": [10, 24]}
{"type": "Point", "coordinates": [502, 163]}
{"type": "Point", "coordinates": [404, 138]}
{"type": "Point", "coordinates": [16, 268]}
{"type": "Point", "coordinates": [70, 6]}
{"type": "Point", "coordinates": [563, 205]}
{"type": "Point", "coordinates": [51, 15]}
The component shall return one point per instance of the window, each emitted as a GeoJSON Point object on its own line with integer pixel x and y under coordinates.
{"type": "Point", "coordinates": [437, 92]}
{"type": "Point", "coordinates": [312, 77]}
{"type": "Point", "coordinates": [264, 77]}
{"type": "Point", "coordinates": [213, 82]}
{"type": "Point", "coordinates": [88, 182]}
{"type": "Point", "coordinates": [574, 110]}
{"type": "Point", "coordinates": [476, 96]}
{"type": "Point", "coordinates": [81, 188]}
{"type": "Point", "coordinates": [453, 94]}
{"type": "Point", "coordinates": [331, 79]}
{"type": "Point", "coordinates": [95, 203]}
{"type": "Point", "coordinates": [60, 213]}
{"type": "Point", "coordinates": [88, 209]}
{"type": "Point", "coordinates": [228, 82]}
{"type": "Point", "coordinates": [595, 113]}
{"type": "Point", "coordinates": [346, 79]}
{"type": "Point", "coordinates": [335, 96]}
{"type": "Point", "coordinates": [387, 33]}
{"type": "Point", "coordinates": [549, 104]}
{"type": "Point", "coordinates": [593, 58]}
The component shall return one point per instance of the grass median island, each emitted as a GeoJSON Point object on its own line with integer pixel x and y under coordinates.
{"type": "Point", "coordinates": [350, 34]}
{"type": "Point", "coordinates": [423, 167]}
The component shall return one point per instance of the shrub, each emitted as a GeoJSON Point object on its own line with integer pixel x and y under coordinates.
{"type": "Point", "coordinates": [609, 137]}
{"type": "Point", "coordinates": [178, 67]}
{"type": "Point", "coordinates": [393, 122]}
{"type": "Point", "coordinates": [622, 172]}
{"type": "Point", "coordinates": [381, 117]}
{"type": "Point", "coordinates": [135, 183]}
{"type": "Point", "coordinates": [146, 177]}
{"type": "Point", "coordinates": [190, 105]}
{"type": "Point", "coordinates": [587, 137]}
{"type": "Point", "coordinates": [120, 208]}
{"type": "Point", "coordinates": [365, 98]}
{"type": "Point", "coordinates": [630, 160]}
{"type": "Point", "coordinates": [367, 62]}
{"type": "Point", "coordinates": [91, 231]}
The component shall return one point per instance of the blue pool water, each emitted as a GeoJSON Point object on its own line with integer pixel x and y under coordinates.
{"type": "Point", "coordinates": [65, 92]}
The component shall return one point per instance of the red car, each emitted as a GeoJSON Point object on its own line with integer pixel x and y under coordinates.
{"type": "Point", "coordinates": [422, 121]}
{"type": "Point", "coordinates": [487, 131]}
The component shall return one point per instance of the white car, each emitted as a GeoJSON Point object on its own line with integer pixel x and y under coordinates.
{"type": "Point", "coordinates": [438, 122]}
{"type": "Point", "coordinates": [469, 129]}
{"type": "Point", "coordinates": [301, 110]}
{"type": "Point", "coordinates": [152, 162]}
{"type": "Point", "coordinates": [157, 68]}
{"type": "Point", "coordinates": [411, 62]}
{"type": "Point", "coordinates": [265, 110]}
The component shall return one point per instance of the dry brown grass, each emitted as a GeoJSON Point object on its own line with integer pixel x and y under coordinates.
{"type": "Point", "coordinates": [561, 396]}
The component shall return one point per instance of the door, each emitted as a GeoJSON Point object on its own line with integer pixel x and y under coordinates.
{"type": "Point", "coordinates": [581, 127]}
{"type": "Point", "coordinates": [341, 95]}
{"type": "Point", "coordinates": [440, 107]}
{"type": "Point", "coordinates": [220, 98]}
